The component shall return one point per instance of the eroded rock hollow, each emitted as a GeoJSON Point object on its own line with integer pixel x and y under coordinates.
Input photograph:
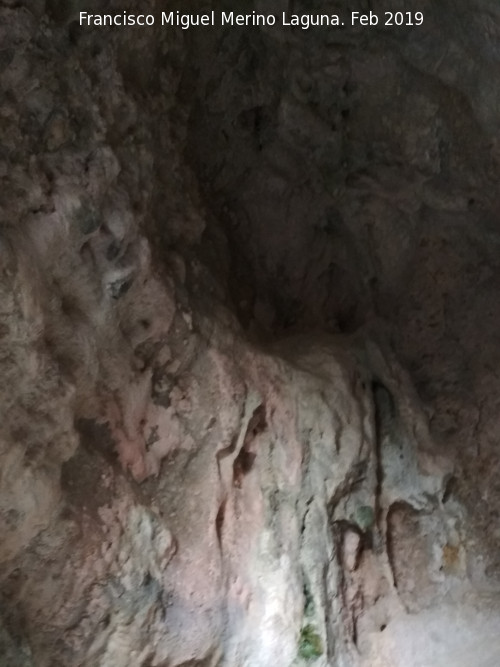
{"type": "Point", "coordinates": [249, 299]}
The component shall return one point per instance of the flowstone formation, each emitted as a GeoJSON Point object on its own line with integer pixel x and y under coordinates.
{"type": "Point", "coordinates": [248, 348]}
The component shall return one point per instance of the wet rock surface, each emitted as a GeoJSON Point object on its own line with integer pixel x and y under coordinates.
{"type": "Point", "coordinates": [248, 342]}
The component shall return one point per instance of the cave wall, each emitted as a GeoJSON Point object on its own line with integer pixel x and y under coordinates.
{"type": "Point", "coordinates": [248, 347]}
{"type": "Point", "coordinates": [355, 175]}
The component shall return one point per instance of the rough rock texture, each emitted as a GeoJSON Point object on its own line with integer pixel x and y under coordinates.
{"type": "Point", "coordinates": [248, 342]}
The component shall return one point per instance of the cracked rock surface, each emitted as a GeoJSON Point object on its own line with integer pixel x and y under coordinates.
{"type": "Point", "coordinates": [248, 352]}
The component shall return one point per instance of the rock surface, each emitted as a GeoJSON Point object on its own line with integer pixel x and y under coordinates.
{"type": "Point", "coordinates": [248, 342]}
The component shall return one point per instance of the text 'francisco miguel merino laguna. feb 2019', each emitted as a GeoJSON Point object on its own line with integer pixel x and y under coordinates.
{"type": "Point", "coordinates": [304, 21]}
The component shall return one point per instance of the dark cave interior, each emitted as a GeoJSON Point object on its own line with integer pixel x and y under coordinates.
{"type": "Point", "coordinates": [220, 242]}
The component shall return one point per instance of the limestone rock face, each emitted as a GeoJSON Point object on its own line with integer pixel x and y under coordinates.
{"type": "Point", "coordinates": [248, 349]}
